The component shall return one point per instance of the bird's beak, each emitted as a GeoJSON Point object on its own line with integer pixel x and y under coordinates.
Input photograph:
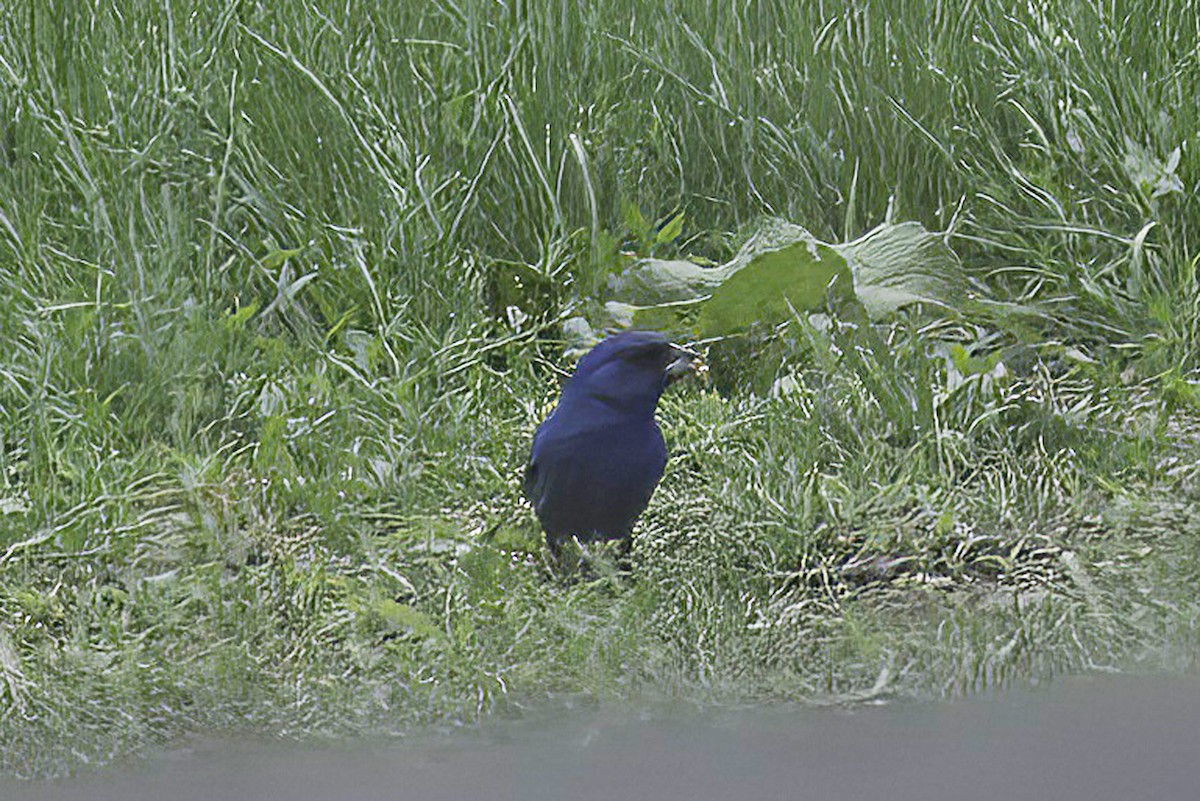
{"type": "Point", "coordinates": [684, 362]}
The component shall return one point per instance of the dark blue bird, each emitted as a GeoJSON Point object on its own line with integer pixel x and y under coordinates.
{"type": "Point", "coordinates": [598, 456]}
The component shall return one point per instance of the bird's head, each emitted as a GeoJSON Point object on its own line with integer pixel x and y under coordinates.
{"type": "Point", "coordinates": [629, 371]}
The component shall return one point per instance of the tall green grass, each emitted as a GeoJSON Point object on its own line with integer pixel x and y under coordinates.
{"type": "Point", "coordinates": [264, 396]}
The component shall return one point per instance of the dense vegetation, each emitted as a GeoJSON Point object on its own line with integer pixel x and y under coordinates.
{"type": "Point", "coordinates": [282, 295]}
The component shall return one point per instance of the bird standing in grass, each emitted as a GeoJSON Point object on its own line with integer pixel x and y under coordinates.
{"type": "Point", "coordinates": [598, 456]}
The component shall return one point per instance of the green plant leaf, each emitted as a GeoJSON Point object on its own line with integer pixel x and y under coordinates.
{"type": "Point", "coordinates": [635, 221]}
{"type": "Point", "coordinates": [775, 285]}
{"type": "Point", "coordinates": [897, 265]}
{"type": "Point", "coordinates": [654, 281]}
{"type": "Point", "coordinates": [783, 267]}
{"type": "Point", "coordinates": [404, 617]}
{"type": "Point", "coordinates": [679, 316]}
{"type": "Point", "coordinates": [670, 230]}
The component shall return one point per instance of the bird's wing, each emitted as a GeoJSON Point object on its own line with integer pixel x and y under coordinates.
{"type": "Point", "coordinates": [534, 483]}
{"type": "Point", "coordinates": [535, 479]}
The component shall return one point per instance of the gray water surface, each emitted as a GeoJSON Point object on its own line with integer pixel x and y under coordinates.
{"type": "Point", "coordinates": [1093, 738]}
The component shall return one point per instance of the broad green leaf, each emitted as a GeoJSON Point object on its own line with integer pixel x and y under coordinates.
{"type": "Point", "coordinates": [677, 316]}
{"type": "Point", "coordinates": [671, 229]}
{"type": "Point", "coordinates": [619, 315]}
{"type": "Point", "coordinates": [634, 221]}
{"type": "Point", "coordinates": [897, 265]}
{"type": "Point", "coordinates": [781, 268]}
{"type": "Point", "coordinates": [653, 281]}
{"type": "Point", "coordinates": [775, 285]}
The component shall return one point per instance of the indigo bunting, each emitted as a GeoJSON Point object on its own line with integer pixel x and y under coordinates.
{"type": "Point", "coordinates": [598, 456]}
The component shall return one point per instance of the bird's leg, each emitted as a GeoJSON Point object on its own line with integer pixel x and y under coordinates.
{"type": "Point", "coordinates": [554, 546]}
{"type": "Point", "coordinates": [624, 554]}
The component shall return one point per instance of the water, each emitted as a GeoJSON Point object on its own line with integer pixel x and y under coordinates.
{"type": "Point", "coordinates": [1093, 738]}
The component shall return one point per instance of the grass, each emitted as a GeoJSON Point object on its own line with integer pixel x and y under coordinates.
{"type": "Point", "coordinates": [280, 303]}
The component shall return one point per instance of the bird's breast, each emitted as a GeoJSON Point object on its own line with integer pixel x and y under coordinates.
{"type": "Point", "coordinates": [594, 480]}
